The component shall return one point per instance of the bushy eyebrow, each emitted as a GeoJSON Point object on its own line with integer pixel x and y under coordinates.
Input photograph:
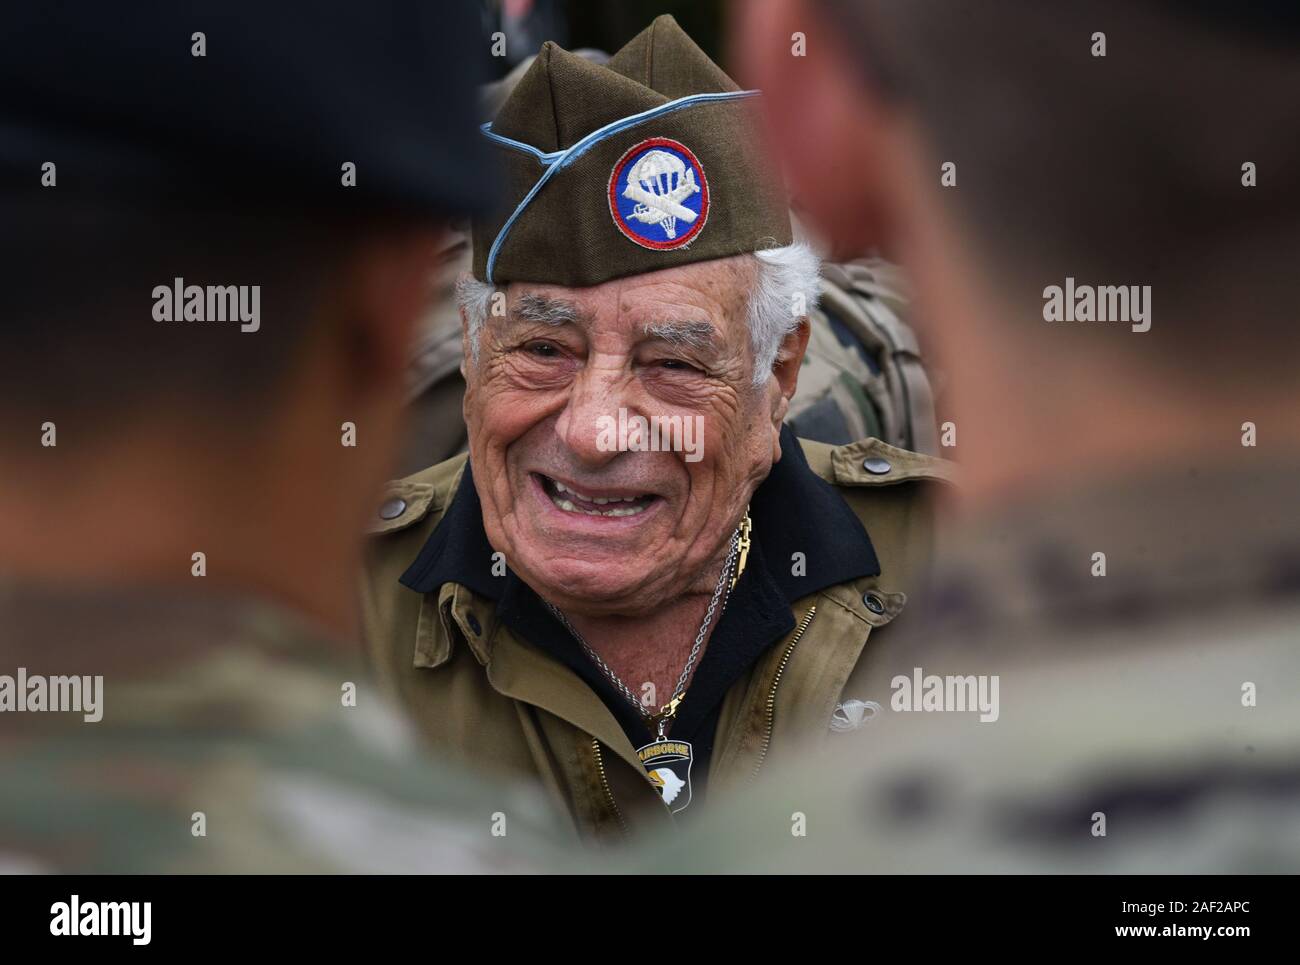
{"type": "Point", "coordinates": [700, 335]}
{"type": "Point", "coordinates": [555, 312]}
{"type": "Point", "coordinates": [533, 307]}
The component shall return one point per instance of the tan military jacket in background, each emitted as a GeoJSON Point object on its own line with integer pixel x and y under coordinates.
{"type": "Point", "coordinates": [480, 693]}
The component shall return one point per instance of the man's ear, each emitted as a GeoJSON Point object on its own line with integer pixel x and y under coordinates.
{"type": "Point", "coordinates": [495, 308]}
{"type": "Point", "coordinates": [465, 348]}
{"type": "Point", "coordinates": [789, 358]}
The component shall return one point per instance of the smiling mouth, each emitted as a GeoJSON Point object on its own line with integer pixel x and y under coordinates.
{"type": "Point", "coordinates": [570, 500]}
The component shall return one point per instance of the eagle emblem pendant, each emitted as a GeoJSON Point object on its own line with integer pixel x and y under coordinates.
{"type": "Point", "coordinates": [668, 762]}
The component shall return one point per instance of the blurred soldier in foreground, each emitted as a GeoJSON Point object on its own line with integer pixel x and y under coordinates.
{"type": "Point", "coordinates": [1110, 677]}
{"type": "Point", "coordinates": [201, 314]}
{"type": "Point", "coordinates": [624, 614]}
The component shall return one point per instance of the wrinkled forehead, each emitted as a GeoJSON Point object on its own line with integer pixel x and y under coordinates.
{"type": "Point", "coordinates": [710, 295]}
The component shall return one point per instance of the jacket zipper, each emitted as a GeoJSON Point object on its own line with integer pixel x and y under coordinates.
{"type": "Point", "coordinates": [767, 735]}
{"type": "Point", "coordinates": [771, 697]}
{"type": "Point", "coordinates": [604, 783]}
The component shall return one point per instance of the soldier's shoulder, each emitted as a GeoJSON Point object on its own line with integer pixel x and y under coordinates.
{"type": "Point", "coordinates": [873, 464]}
{"type": "Point", "coordinates": [418, 500]}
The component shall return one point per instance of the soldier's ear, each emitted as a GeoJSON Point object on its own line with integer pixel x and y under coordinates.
{"type": "Point", "coordinates": [385, 289]}
{"type": "Point", "coordinates": [825, 120]}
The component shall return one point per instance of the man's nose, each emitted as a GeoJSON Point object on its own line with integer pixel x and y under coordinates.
{"type": "Point", "coordinates": [588, 425]}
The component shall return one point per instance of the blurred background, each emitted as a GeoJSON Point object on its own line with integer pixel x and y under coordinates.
{"type": "Point", "coordinates": [593, 24]}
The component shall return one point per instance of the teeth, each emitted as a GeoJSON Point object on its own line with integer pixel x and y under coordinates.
{"type": "Point", "coordinates": [598, 500]}
{"type": "Point", "coordinates": [569, 507]}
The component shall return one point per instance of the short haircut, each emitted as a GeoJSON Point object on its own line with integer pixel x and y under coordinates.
{"type": "Point", "coordinates": [1125, 169]}
{"type": "Point", "coordinates": [78, 334]}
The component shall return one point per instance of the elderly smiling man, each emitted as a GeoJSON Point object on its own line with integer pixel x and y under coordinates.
{"type": "Point", "coordinates": [638, 581]}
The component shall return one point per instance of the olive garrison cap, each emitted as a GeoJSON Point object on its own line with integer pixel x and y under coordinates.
{"type": "Point", "coordinates": [649, 161]}
{"type": "Point", "coordinates": [271, 102]}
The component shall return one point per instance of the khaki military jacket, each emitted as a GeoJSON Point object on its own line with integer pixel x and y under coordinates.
{"type": "Point", "coordinates": [479, 692]}
{"type": "Point", "coordinates": [1147, 714]}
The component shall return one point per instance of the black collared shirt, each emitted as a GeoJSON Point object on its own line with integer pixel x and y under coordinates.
{"type": "Point", "coordinates": [794, 511]}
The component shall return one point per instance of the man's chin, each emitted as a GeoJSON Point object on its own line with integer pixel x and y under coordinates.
{"type": "Point", "coordinates": [595, 585]}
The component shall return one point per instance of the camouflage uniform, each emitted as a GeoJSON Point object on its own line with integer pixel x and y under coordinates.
{"type": "Point", "coordinates": [862, 375]}
{"type": "Point", "coordinates": [221, 715]}
{"type": "Point", "coordinates": [1160, 698]}
{"type": "Point", "coordinates": [233, 709]}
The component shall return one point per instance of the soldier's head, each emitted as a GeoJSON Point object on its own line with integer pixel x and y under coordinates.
{"type": "Point", "coordinates": [634, 325]}
{"type": "Point", "coordinates": [214, 263]}
{"type": "Point", "coordinates": [1131, 159]}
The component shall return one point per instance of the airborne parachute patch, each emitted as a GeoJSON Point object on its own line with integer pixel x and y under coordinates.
{"type": "Point", "coordinates": [658, 194]}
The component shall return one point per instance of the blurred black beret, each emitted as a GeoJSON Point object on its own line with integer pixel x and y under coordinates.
{"type": "Point", "coordinates": [1275, 21]}
{"type": "Point", "coordinates": [285, 94]}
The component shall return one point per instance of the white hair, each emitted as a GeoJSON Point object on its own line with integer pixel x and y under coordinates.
{"type": "Point", "coordinates": [785, 289]}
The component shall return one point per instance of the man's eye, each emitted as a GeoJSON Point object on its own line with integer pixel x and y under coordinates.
{"type": "Point", "coordinates": [677, 365]}
{"type": "Point", "coordinates": [545, 350]}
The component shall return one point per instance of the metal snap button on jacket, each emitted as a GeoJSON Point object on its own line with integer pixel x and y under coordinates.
{"type": "Point", "coordinates": [874, 603]}
{"type": "Point", "coordinates": [876, 466]}
{"type": "Point", "coordinates": [392, 508]}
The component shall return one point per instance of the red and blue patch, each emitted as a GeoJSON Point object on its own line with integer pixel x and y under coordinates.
{"type": "Point", "coordinates": [658, 194]}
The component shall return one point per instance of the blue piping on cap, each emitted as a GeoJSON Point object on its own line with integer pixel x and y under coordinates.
{"type": "Point", "coordinates": [556, 160]}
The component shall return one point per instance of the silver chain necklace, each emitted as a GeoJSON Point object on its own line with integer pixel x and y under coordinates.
{"type": "Point", "coordinates": [739, 547]}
